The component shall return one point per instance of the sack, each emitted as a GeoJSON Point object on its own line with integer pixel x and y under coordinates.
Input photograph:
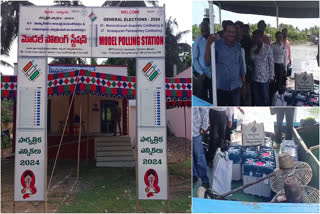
{"type": "Point", "coordinates": [252, 134]}
{"type": "Point", "coordinates": [278, 100]}
{"type": "Point", "coordinates": [221, 172]}
{"type": "Point", "coordinates": [303, 82]}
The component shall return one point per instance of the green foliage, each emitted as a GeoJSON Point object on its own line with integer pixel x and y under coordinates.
{"type": "Point", "coordinates": [176, 52]}
{"type": "Point", "coordinates": [187, 61]}
{"type": "Point", "coordinates": [93, 61]}
{"type": "Point", "coordinates": [6, 111]}
{"type": "Point", "coordinates": [6, 142]}
{"type": "Point", "coordinates": [130, 62]}
{"type": "Point", "coordinates": [294, 34]}
{"type": "Point", "coordinates": [195, 31]}
{"type": "Point", "coordinates": [10, 11]}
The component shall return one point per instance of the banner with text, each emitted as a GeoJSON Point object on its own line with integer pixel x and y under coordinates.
{"type": "Point", "coordinates": [30, 154]}
{"type": "Point", "coordinates": [129, 32]}
{"type": "Point", "coordinates": [92, 32]}
{"type": "Point", "coordinates": [252, 134]}
{"type": "Point", "coordinates": [151, 135]}
{"type": "Point", "coordinates": [303, 81]}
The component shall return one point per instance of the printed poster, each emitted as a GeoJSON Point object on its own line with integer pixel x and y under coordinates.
{"type": "Point", "coordinates": [152, 138]}
{"type": "Point", "coordinates": [92, 32]}
{"type": "Point", "coordinates": [30, 152]}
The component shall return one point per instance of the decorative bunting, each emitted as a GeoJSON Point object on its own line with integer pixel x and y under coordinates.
{"type": "Point", "coordinates": [8, 87]}
{"type": "Point", "coordinates": [178, 90]}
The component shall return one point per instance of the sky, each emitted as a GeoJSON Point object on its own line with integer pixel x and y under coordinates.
{"type": "Point", "coordinates": [183, 18]}
{"type": "Point", "coordinates": [199, 6]}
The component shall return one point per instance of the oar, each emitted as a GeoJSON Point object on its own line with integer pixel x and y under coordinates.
{"type": "Point", "coordinates": [249, 184]}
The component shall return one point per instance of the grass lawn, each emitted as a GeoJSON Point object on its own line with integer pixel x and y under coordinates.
{"type": "Point", "coordinates": [114, 190]}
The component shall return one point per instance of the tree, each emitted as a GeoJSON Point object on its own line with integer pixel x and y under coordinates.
{"type": "Point", "coordinates": [59, 60]}
{"type": "Point", "coordinates": [195, 32]}
{"type": "Point", "coordinates": [6, 111]}
{"type": "Point", "coordinates": [130, 62]}
{"type": "Point", "coordinates": [93, 61]}
{"type": "Point", "coordinates": [10, 11]}
{"type": "Point", "coordinates": [174, 49]}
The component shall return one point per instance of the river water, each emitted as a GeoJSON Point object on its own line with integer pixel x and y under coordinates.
{"type": "Point", "coordinates": [304, 59]}
{"type": "Point", "coordinates": [263, 115]}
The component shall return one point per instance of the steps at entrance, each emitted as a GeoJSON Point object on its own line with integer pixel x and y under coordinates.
{"type": "Point", "coordinates": [114, 151]}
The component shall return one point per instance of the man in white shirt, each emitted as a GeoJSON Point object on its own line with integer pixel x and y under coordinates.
{"type": "Point", "coordinates": [280, 64]}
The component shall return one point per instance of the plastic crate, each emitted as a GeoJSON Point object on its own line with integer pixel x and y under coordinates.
{"type": "Point", "coordinates": [254, 169]}
{"type": "Point", "coordinates": [300, 96]}
{"type": "Point", "coordinates": [249, 152]}
{"type": "Point", "coordinates": [266, 154]}
{"type": "Point", "coordinates": [313, 100]}
{"type": "Point", "coordinates": [235, 154]}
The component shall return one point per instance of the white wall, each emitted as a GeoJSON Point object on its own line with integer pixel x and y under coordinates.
{"type": "Point", "coordinates": [175, 117]}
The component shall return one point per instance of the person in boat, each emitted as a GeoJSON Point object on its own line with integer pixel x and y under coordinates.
{"type": "Point", "coordinates": [202, 71]}
{"type": "Point", "coordinates": [230, 72]}
{"type": "Point", "coordinates": [219, 34]}
{"type": "Point", "coordinates": [200, 126]}
{"type": "Point", "coordinates": [229, 126]}
{"type": "Point", "coordinates": [219, 119]}
{"type": "Point", "coordinates": [246, 44]}
{"type": "Point", "coordinates": [281, 113]}
{"type": "Point", "coordinates": [262, 27]}
{"type": "Point", "coordinates": [263, 69]}
{"type": "Point", "coordinates": [288, 47]}
{"type": "Point", "coordinates": [280, 65]}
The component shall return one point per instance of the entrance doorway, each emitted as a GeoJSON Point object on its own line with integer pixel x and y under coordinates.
{"type": "Point", "coordinates": [107, 125]}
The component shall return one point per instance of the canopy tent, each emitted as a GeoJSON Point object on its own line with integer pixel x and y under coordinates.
{"type": "Point", "coordinates": [178, 90]}
{"type": "Point", "coordinates": [286, 9]}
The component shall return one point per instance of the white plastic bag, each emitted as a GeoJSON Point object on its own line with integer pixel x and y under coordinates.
{"type": "Point", "coordinates": [278, 100]}
{"type": "Point", "coordinates": [221, 173]}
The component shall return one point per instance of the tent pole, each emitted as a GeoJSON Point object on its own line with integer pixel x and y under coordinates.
{"type": "Point", "coordinates": [87, 128]}
{"type": "Point", "coordinates": [185, 130]}
{"type": "Point", "coordinates": [78, 164]}
{"type": "Point", "coordinates": [213, 63]}
{"type": "Point", "coordinates": [277, 12]}
{"type": "Point", "coordinates": [220, 15]}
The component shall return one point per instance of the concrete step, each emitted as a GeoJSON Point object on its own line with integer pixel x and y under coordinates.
{"type": "Point", "coordinates": [115, 164]}
{"type": "Point", "coordinates": [113, 144]}
{"type": "Point", "coordinates": [113, 148]}
{"type": "Point", "coordinates": [114, 153]}
{"type": "Point", "coordinates": [113, 159]}
{"type": "Point", "coordinates": [112, 139]}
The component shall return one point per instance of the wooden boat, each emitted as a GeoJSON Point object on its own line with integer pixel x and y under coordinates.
{"type": "Point", "coordinates": [307, 139]}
